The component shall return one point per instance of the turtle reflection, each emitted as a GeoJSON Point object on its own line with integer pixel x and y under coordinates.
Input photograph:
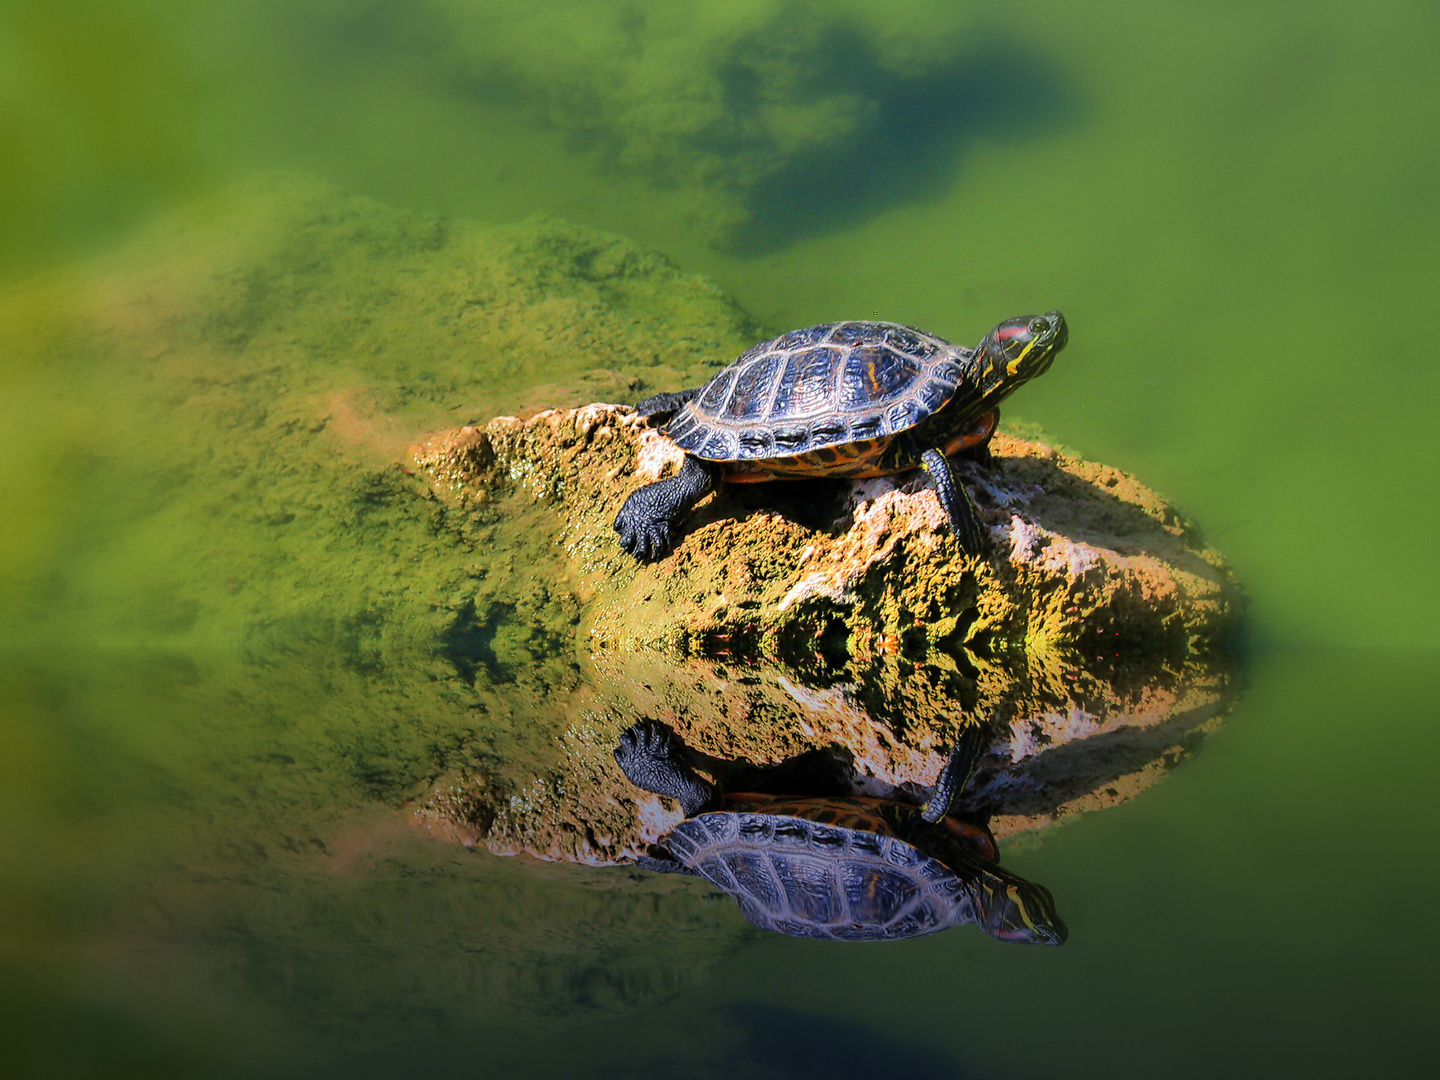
{"type": "Point", "coordinates": [843, 867]}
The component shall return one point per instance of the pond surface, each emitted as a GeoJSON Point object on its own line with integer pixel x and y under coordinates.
{"type": "Point", "coordinates": [249, 252]}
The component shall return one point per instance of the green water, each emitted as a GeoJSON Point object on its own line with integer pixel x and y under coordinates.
{"type": "Point", "coordinates": [218, 674]}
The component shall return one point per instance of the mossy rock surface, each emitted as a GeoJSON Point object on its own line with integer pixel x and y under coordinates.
{"type": "Point", "coordinates": [796, 616]}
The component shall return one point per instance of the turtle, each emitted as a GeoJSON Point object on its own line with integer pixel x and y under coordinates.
{"type": "Point", "coordinates": [848, 868]}
{"type": "Point", "coordinates": [844, 399]}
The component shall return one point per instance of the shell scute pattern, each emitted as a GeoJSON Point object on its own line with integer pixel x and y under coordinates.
{"type": "Point", "coordinates": [876, 893]}
{"type": "Point", "coordinates": [867, 427]}
{"type": "Point", "coordinates": [717, 391]}
{"type": "Point", "coordinates": [791, 438]}
{"type": "Point", "coordinates": [796, 339]}
{"type": "Point", "coordinates": [867, 844]}
{"type": "Point", "coordinates": [751, 826]}
{"type": "Point", "coordinates": [851, 333]}
{"type": "Point", "coordinates": [934, 394]}
{"type": "Point", "coordinates": [808, 889]}
{"type": "Point", "coordinates": [807, 383]}
{"type": "Point", "coordinates": [759, 442]}
{"type": "Point", "coordinates": [754, 387]}
{"type": "Point", "coordinates": [822, 386]}
{"type": "Point", "coordinates": [720, 446]}
{"type": "Point", "coordinates": [874, 373]}
{"type": "Point", "coordinates": [791, 831]}
{"type": "Point", "coordinates": [752, 873]}
{"type": "Point", "coordinates": [903, 416]}
{"type": "Point", "coordinates": [906, 340]}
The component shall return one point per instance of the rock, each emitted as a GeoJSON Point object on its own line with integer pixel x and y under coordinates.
{"type": "Point", "coordinates": [842, 616]}
{"type": "Point", "coordinates": [1089, 562]}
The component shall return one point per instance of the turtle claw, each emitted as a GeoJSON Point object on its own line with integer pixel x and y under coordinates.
{"type": "Point", "coordinates": [648, 541]}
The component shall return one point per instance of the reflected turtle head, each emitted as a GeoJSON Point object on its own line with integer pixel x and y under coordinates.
{"type": "Point", "coordinates": [1012, 909]}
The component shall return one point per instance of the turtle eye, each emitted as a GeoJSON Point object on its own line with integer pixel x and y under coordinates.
{"type": "Point", "coordinates": [1039, 326]}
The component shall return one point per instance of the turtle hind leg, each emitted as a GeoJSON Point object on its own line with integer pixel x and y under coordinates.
{"type": "Point", "coordinates": [650, 755]}
{"type": "Point", "coordinates": [964, 518]}
{"type": "Point", "coordinates": [651, 516]}
{"type": "Point", "coordinates": [662, 406]}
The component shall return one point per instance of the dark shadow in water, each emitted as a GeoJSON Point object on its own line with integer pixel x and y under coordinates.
{"type": "Point", "coordinates": [913, 144]}
{"type": "Point", "coordinates": [790, 1045]}
{"type": "Point", "coordinates": [468, 643]}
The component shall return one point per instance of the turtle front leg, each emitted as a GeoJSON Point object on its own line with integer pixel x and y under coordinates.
{"type": "Point", "coordinates": [651, 516]}
{"type": "Point", "coordinates": [660, 406]}
{"type": "Point", "coordinates": [964, 518]}
{"type": "Point", "coordinates": [650, 755]}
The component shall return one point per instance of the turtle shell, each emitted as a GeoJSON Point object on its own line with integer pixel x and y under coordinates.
{"type": "Point", "coordinates": [809, 879]}
{"type": "Point", "coordinates": [825, 386]}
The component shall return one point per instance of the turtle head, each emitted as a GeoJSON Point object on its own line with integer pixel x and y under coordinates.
{"type": "Point", "coordinates": [1013, 909]}
{"type": "Point", "coordinates": [1019, 349]}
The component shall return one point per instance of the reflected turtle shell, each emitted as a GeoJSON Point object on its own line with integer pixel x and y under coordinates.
{"type": "Point", "coordinates": [809, 879]}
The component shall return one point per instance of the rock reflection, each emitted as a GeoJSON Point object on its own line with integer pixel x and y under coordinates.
{"type": "Point", "coordinates": [1062, 741]}
{"type": "Point", "coordinates": [830, 865]}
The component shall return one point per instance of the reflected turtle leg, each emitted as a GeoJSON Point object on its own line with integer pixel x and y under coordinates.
{"type": "Point", "coordinates": [650, 756]}
{"type": "Point", "coordinates": [969, 746]}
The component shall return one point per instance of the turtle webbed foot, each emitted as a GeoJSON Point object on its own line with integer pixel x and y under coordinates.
{"type": "Point", "coordinates": [650, 756]}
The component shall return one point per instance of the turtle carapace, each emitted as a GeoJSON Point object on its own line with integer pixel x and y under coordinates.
{"type": "Point", "coordinates": [847, 399]}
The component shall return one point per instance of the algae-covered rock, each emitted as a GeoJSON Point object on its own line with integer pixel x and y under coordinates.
{"type": "Point", "coordinates": [1089, 562]}
{"type": "Point", "coordinates": [843, 616]}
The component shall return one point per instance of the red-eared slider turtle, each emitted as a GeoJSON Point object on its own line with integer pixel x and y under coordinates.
{"type": "Point", "coordinates": [850, 869]}
{"type": "Point", "coordinates": [849, 399]}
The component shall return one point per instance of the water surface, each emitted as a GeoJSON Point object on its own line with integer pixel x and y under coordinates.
{"type": "Point", "coordinates": [206, 726]}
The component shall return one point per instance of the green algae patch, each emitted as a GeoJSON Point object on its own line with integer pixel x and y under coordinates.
{"type": "Point", "coordinates": [725, 104]}
{"type": "Point", "coordinates": [234, 620]}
